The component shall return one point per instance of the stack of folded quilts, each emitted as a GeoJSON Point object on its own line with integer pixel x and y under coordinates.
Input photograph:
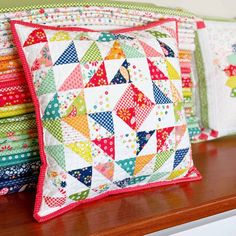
{"type": "Point", "coordinates": [188, 83]}
{"type": "Point", "coordinates": [19, 156]}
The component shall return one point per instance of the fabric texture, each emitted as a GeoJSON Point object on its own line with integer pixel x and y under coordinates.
{"type": "Point", "coordinates": [219, 74]}
{"type": "Point", "coordinates": [109, 108]}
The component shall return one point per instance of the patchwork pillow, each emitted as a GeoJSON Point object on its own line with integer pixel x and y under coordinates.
{"type": "Point", "coordinates": [15, 99]}
{"type": "Point", "coordinates": [109, 110]}
{"type": "Point", "coordinates": [217, 76]}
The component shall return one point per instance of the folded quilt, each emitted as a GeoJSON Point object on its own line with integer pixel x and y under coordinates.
{"type": "Point", "coordinates": [18, 185]}
{"type": "Point", "coordinates": [20, 170]}
{"type": "Point", "coordinates": [13, 126]}
{"type": "Point", "coordinates": [19, 156]}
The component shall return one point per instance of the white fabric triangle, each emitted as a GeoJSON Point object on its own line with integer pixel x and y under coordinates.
{"type": "Point", "coordinates": [96, 130]}
{"type": "Point", "coordinates": [119, 173]}
{"type": "Point", "coordinates": [61, 73]}
{"type": "Point", "coordinates": [81, 47]}
{"type": "Point", "coordinates": [57, 48]}
{"type": "Point", "coordinates": [146, 88]}
{"type": "Point", "coordinates": [73, 160]}
{"type": "Point", "coordinates": [150, 123]}
{"type": "Point", "coordinates": [120, 127]}
{"type": "Point", "coordinates": [112, 67]}
{"type": "Point", "coordinates": [71, 135]}
{"type": "Point", "coordinates": [150, 147]}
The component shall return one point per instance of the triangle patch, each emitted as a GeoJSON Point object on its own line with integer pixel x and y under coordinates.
{"type": "Point", "coordinates": [106, 169]}
{"type": "Point", "coordinates": [150, 51]}
{"type": "Point", "coordinates": [44, 59]}
{"type": "Point", "coordinates": [142, 161]}
{"type": "Point", "coordinates": [81, 36]}
{"type": "Point", "coordinates": [99, 78]}
{"type": "Point", "coordinates": [137, 180]}
{"type": "Point", "coordinates": [155, 73]}
{"type": "Point", "coordinates": [175, 93]}
{"type": "Point", "coordinates": [83, 149]}
{"type": "Point", "coordinates": [36, 36]}
{"type": "Point", "coordinates": [73, 81]}
{"type": "Point", "coordinates": [178, 109]}
{"type": "Point", "coordinates": [84, 175]}
{"type": "Point", "coordinates": [179, 133]}
{"type": "Point", "coordinates": [68, 56]}
{"type": "Point", "coordinates": [107, 145]}
{"type": "Point", "coordinates": [52, 110]}
{"type": "Point", "coordinates": [159, 96]}
{"type": "Point", "coordinates": [142, 139]}
{"type": "Point", "coordinates": [106, 37]}
{"type": "Point", "coordinates": [79, 196]}
{"type": "Point", "coordinates": [126, 100]}
{"type": "Point", "coordinates": [122, 36]}
{"type": "Point", "coordinates": [161, 158]}
{"type": "Point", "coordinates": [131, 52]}
{"type": "Point", "coordinates": [158, 34]}
{"type": "Point", "coordinates": [158, 176]}
{"type": "Point", "coordinates": [176, 173]}
{"type": "Point", "coordinates": [47, 85]}
{"type": "Point", "coordinates": [116, 52]}
{"type": "Point", "coordinates": [141, 114]}
{"type": "Point", "coordinates": [58, 200]}
{"type": "Point", "coordinates": [60, 36]}
{"type": "Point", "coordinates": [168, 52]}
{"type": "Point", "coordinates": [78, 106]}
{"type": "Point", "coordinates": [162, 135]}
{"type": "Point", "coordinates": [122, 76]}
{"type": "Point", "coordinates": [104, 119]}
{"type": "Point", "coordinates": [128, 116]}
{"type": "Point", "coordinates": [140, 99]}
{"type": "Point", "coordinates": [54, 127]}
{"type": "Point", "coordinates": [122, 183]}
{"type": "Point", "coordinates": [128, 165]}
{"type": "Point", "coordinates": [179, 156]}
{"type": "Point", "coordinates": [173, 74]}
{"type": "Point", "coordinates": [92, 54]}
{"type": "Point", "coordinates": [80, 123]}
{"type": "Point", "coordinates": [57, 152]}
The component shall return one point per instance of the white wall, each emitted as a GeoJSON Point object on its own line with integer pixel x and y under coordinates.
{"type": "Point", "coordinates": [220, 8]}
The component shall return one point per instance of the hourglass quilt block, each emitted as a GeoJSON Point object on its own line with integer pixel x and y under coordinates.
{"type": "Point", "coordinates": [109, 109]}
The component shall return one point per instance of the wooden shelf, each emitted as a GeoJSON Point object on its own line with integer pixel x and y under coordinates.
{"type": "Point", "coordinates": [140, 212]}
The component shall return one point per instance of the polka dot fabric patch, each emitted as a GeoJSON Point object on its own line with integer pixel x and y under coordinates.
{"type": "Point", "coordinates": [112, 120]}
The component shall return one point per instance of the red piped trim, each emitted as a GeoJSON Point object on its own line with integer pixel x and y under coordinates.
{"type": "Point", "coordinates": [116, 31]}
{"type": "Point", "coordinates": [39, 194]}
{"type": "Point", "coordinates": [201, 24]}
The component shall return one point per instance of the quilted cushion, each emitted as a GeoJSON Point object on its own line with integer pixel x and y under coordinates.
{"type": "Point", "coordinates": [109, 109]}
{"type": "Point", "coordinates": [217, 76]}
